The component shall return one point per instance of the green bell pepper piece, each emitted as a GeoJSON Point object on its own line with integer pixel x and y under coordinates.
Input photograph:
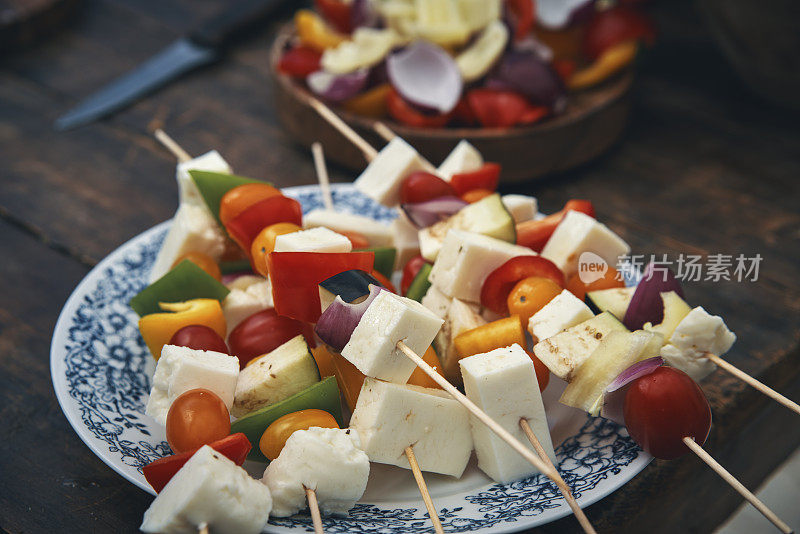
{"type": "Point", "coordinates": [185, 281]}
{"type": "Point", "coordinates": [384, 259]}
{"type": "Point", "coordinates": [214, 185]}
{"type": "Point", "coordinates": [420, 285]}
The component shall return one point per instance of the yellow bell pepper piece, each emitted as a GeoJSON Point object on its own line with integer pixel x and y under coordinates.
{"type": "Point", "coordinates": [494, 335]}
{"type": "Point", "coordinates": [371, 103]}
{"type": "Point", "coordinates": [420, 377]}
{"type": "Point", "coordinates": [610, 62]}
{"type": "Point", "coordinates": [314, 33]}
{"type": "Point", "coordinates": [158, 328]}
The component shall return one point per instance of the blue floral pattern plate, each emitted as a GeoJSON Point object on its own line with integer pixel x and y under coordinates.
{"type": "Point", "coordinates": [101, 373]}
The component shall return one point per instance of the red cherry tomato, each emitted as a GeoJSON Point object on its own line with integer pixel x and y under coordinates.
{"type": "Point", "coordinates": [404, 112]}
{"type": "Point", "coordinates": [500, 282]}
{"type": "Point", "coordinates": [199, 337]}
{"type": "Point", "coordinates": [246, 226]}
{"type": "Point", "coordinates": [196, 418]}
{"type": "Point", "coordinates": [614, 26]}
{"type": "Point", "coordinates": [299, 61]}
{"type": "Point", "coordinates": [664, 407]}
{"type": "Point", "coordinates": [336, 13]}
{"type": "Point", "coordinates": [263, 332]}
{"type": "Point", "coordinates": [534, 234]}
{"type": "Point", "coordinates": [463, 113]}
{"type": "Point", "coordinates": [234, 447]}
{"type": "Point", "coordinates": [420, 186]}
{"type": "Point", "coordinates": [497, 109]}
{"type": "Point", "coordinates": [410, 272]}
{"type": "Point", "coordinates": [486, 177]}
{"type": "Point", "coordinates": [522, 17]}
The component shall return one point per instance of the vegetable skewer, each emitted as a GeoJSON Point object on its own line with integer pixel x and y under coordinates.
{"type": "Point", "coordinates": [760, 386]}
{"type": "Point", "coordinates": [313, 506]}
{"type": "Point", "coordinates": [565, 490]}
{"type": "Point", "coordinates": [322, 175]}
{"type": "Point", "coordinates": [549, 470]}
{"type": "Point", "coordinates": [735, 484]}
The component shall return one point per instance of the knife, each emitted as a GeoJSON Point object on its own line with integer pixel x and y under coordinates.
{"type": "Point", "coordinates": [199, 47]}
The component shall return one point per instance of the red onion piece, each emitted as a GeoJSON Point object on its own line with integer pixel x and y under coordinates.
{"type": "Point", "coordinates": [614, 400]}
{"type": "Point", "coordinates": [337, 87]}
{"type": "Point", "coordinates": [363, 15]}
{"type": "Point", "coordinates": [426, 75]}
{"type": "Point", "coordinates": [558, 14]}
{"type": "Point", "coordinates": [428, 213]}
{"type": "Point", "coordinates": [646, 305]}
{"type": "Point", "coordinates": [337, 322]}
{"type": "Point", "coordinates": [525, 72]}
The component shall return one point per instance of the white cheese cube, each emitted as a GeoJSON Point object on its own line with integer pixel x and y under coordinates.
{"type": "Point", "coordinates": [378, 234]}
{"type": "Point", "coordinates": [461, 316]}
{"type": "Point", "coordinates": [383, 176]}
{"type": "Point", "coordinates": [431, 239]}
{"type": "Point", "coordinates": [389, 319]}
{"type": "Point", "coordinates": [209, 489]}
{"type": "Point", "coordinates": [463, 158]}
{"type": "Point", "coordinates": [390, 417]}
{"type": "Point", "coordinates": [180, 369]}
{"type": "Point", "coordinates": [328, 460]}
{"type": "Point", "coordinates": [503, 383]}
{"type": "Point", "coordinates": [466, 259]}
{"type": "Point", "coordinates": [578, 233]}
{"type": "Point", "coordinates": [698, 333]}
{"type": "Point", "coordinates": [276, 376]}
{"type": "Point", "coordinates": [564, 311]}
{"type": "Point", "coordinates": [521, 207]}
{"type": "Point", "coordinates": [436, 301]}
{"type": "Point", "coordinates": [406, 241]}
{"type": "Point", "coordinates": [193, 229]}
{"type": "Point", "coordinates": [249, 295]}
{"type": "Point", "coordinates": [187, 189]}
{"type": "Point", "coordinates": [318, 239]}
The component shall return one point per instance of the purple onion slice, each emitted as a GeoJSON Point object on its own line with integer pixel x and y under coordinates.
{"type": "Point", "coordinates": [336, 324]}
{"type": "Point", "coordinates": [428, 213]}
{"type": "Point", "coordinates": [337, 87]}
{"type": "Point", "coordinates": [426, 75]}
{"type": "Point", "coordinates": [646, 305]}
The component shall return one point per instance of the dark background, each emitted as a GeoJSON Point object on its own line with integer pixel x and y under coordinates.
{"type": "Point", "coordinates": [704, 167]}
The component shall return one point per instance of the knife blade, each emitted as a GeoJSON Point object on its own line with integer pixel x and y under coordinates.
{"type": "Point", "coordinates": [200, 47]}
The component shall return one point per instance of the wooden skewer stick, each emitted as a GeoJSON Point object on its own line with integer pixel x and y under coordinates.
{"type": "Point", "coordinates": [313, 505]}
{"type": "Point", "coordinates": [738, 486]}
{"type": "Point", "coordinates": [202, 528]}
{"type": "Point", "coordinates": [170, 144]}
{"type": "Point", "coordinates": [383, 130]}
{"type": "Point", "coordinates": [368, 150]}
{"type": "Point", "coordinates": [322, 175]}
{"type": "Point", "coordinates": [760, 386]}
{"type": "Point", "coordinates": [562, 485]}
{"type": "Point", "coordinates": [423, 489]}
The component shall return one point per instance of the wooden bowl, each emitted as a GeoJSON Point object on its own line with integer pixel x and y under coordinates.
{"type": "Point", "coordinates": [592, 122]}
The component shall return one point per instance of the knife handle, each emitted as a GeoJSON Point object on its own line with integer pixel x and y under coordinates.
{"type": "Point", "coordinates": [229, 23]}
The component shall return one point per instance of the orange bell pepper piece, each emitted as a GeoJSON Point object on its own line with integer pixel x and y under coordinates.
{"type": "Point", "coordinates": [371, 103]}
{"type": "Point", "coordinates": [314, 33]}
{"type": "Point", "coordinates": [349, 378]}
{"type": "Point", "coordinates": [497, 334]}
{"type": "Point", "coordinates": [611, 61]}
{"type": "Point", "coordinates": [420, 377]}
{"type": "Point", "coordinates": [324, 359]}
{"type": "Point", "coordinates": [157, 329]}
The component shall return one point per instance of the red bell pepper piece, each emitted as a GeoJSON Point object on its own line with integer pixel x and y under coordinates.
{"type": "Point", "coordinates": [486, 177]}
{"type": "Point", "coordinates": [235, 447]}
{"type": "Point", "coordinates": [336, 13]}
{"type": "Point", "coordinates": [522, 17]}
{"type": "Point", "coordinates": [500, 282]}
{"type": "Point", "coordinates": [410, 271]}
{"type": "Point", "coordinates": [296, 275]}
{"type": "Point", "coordinates": [502, 109]}
{"type": "Point", "coordinates": [300, 61]}
{"type": "Point", "coordinates": [534, 234]}
{"type": "Point", "coordinates": [248, 224]}
{"type": "Point", "coordinates": [613, 26]}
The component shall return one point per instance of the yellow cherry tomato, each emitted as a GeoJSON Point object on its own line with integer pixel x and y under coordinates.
{"type": "Point", "coordinates": [264, 243]}
{"type": "Point", "coordinates": [530, 295]}
{"type": "Point", "coordinates": [204, 261]}
{"type": "Point", "coordinates": [274, 437]}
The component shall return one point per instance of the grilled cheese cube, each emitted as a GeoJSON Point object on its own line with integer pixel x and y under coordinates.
{"type": "Point", "coordinates": [466, 259]}
{"type": "Point", "coordinates": [383, 176]}
{"type": "Point", "coordinates": [275, 376]}
{"type": "Point", "coordinates": [248, 295]}
{"type": "Point", "coordinates": [463, 158]}
{"type": "Point", "coordinates": [564, 311]}
{"type": "Point", "coordinates": [578, 233]}
{"type": "Point", "coordinates": [406, 240]}
{"type": "Point", "coordinates": [503, 383]}
{"type": "Point", "coordinates": [180, 369]}
{"type": "Point", "coordinates": [187, 189]}
{"type": "Point", "coordinates": [372, 347]}
{"type": "Point", "coordinates": [209, 489]}
{"type": "Point", "coordinates": [521, 207]}
{"type": "Point", "coordinates": [378, 234]}
{"type": "Point", "coordinates": [390, 417]}
{"type": "Point", "coordinates": [460, 317]}
{"type": "Point", "coordinates": [328, 460]}
{"type": "Point", "coordinates": [319, 239]}
{"type": "Point", "coordinates": [697, 333]}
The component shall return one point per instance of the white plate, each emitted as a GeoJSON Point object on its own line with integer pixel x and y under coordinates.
{"type": "Point", "coordinates": [101, 374]}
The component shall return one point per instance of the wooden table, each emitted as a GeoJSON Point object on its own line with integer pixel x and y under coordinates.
{"type": "Point", "coordinates": [704, 168]}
